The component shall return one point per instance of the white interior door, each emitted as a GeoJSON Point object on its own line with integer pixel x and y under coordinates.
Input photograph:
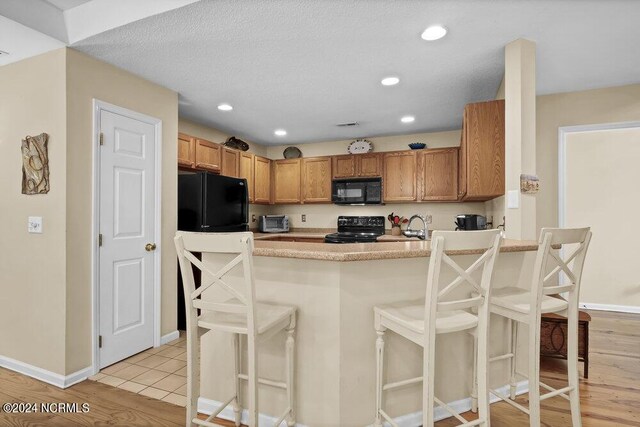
{"type": "Point", "coordinates": [127, 227]}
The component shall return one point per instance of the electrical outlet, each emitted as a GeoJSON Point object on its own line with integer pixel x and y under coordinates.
{"type": "Point", "coordinates": [428, 219]}
{"type": "Point", "coordinates": [34, 224]}
{"type": "Point", "coordinates": [253, 218]}
{"type": "Point", "coordinates": [304, 218]}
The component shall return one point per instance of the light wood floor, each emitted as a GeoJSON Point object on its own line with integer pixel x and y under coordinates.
{"type": "Point", "coordinates": [611, 397]}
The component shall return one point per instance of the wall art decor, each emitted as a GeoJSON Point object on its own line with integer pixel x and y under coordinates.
{"type": "Point", "coordinates": [35, 164]}
{"type": "Point", "coordinates": [529, 184]}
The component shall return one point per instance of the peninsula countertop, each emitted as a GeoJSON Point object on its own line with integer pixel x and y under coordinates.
{"type": "Point", "coordinates": [387, 247]}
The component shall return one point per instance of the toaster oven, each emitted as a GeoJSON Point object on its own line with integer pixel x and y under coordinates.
{"type": "Point", "coordinates": [273, 223]}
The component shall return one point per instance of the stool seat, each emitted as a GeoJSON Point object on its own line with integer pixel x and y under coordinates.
{"type": "Point", "coordinates": [519, 300]}
{"type": "Point", "coordinates": [409, 315]}
{"type": "Point", "coordinates": [268, 317]}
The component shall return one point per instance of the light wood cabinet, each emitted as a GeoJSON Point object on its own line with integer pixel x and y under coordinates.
{"type": "Point", "coordinates": [481, 156]}
{"type": "Point", "coordinates": [439, 174]}
{"type": "Point", "coordinates": [400, 173]}
{"type": "Point", "coordinates": [316, 180]}
{"type": "Point", "coordinates": [357, 165]}
{"type": "Point", "coordinates": [186, 151]}
{"type": "Point", "coordinates": [286, 181]}
{"type": "Point", "coordinates": [261, 180]}
{"type": "Point", "coordinates": [230, 162]}
{"type": "Point", "coordinates": [208, 155]}
{"type": "Point", "coordinates": [247, 172]}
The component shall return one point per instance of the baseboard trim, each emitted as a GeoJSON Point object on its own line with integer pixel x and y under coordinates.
{"type": "Point", "coordinates": [610, 307]}
{"type": "Point", "coordinates": [169, 337]}
{"type": "Point", "coordinates": [208, 406]}
{"type": "Point", "coordinates": [58, 380]}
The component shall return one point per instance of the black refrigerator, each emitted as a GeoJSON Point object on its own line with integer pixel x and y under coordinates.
{"type": "Point", "coordinates": [209, 203]}
{"type": "Point", "coordinates": [212, 203]}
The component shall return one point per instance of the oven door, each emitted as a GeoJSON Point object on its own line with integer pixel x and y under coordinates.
{"type": "Point", "coordinates": [348, 192]}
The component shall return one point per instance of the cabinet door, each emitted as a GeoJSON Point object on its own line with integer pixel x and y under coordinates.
{"type": "Point", "coordinates": [208, 155]}
{"type": "Point", "coordinates": [344, 166]}
{"type": "Point", "coordinates": [230, 162]}
{"type": "Point", "coordinates": [484, 144]}
{"type": "Point", "coordinates": [262, 180]}
{"type": "Point", "coordinates": [286, 181]}
{"type": "Point", "coordinates": [400, 173]}
{"type": "Point", "coordinates": [186, 151]}
{"type": "Point", "coordinates": [370, 164]}
{"type": "Point", "coordinates": [246, 172]}
{"type": "Point", "coordinates": [316, 180]}
{"type": "Point", "coordinates": [439, 175]}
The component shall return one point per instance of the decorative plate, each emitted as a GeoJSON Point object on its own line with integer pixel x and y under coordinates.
{"type": "Point", "coordinates": [292, 153]}
{"type": "Point", "coordinates": [360, 146]}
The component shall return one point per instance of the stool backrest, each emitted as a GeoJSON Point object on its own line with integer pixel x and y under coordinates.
{"type": "Point", "coordinates": [487, 241]}
{"type": "Point", "coordinates": [233, 300]}
{"type": "Point", "coordinates": [566, 272]}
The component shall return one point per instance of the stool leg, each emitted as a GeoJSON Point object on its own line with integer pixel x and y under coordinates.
{"type": "Point", "coordinates": [379, 376]}
{"type": "Point", "coordinates": [572, 364]}
{"type": "Point", "coordinates": [474, 385]}
{"type": "Point", "coordinates": [428, 381]}
{"type": "Point", "coordinates": [290, 355]}
{"type": "Point", "coordinates": [237, 408]}
{"type": "Point", "coordinates": [513, 326]}
{"type": "Point", "coordinates": [252, 373]}
{"type": "Point", "coordinates": [482, 372]}
{"type": "Point", "coordinates": [534, 372]}
{"type": "Point", "coordinates": [193, 373]}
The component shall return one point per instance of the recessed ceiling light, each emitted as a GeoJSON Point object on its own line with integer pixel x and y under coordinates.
{"type": "Point", "coordinates": [434, 32]}
{"type": "Point", "coordinates": [225, 107]}
{"type": "Point", "coordinates": [280, 132]}
{"type": "Point", "coordinates": [390, 81]}
{"type": "Point", "coordinates": [408, 119]}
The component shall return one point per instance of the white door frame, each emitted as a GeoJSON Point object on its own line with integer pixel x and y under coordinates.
{"type": "Point", "coordinates": [98, 107]}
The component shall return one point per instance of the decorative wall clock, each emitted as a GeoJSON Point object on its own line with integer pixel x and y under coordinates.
{"type": "Point", "coordinates": [360, 146]}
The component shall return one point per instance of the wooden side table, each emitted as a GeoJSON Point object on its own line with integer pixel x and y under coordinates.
{"type": "Point", "coordinates": [553, 333]}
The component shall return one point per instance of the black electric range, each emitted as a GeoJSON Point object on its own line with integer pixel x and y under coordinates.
{"type": "Point", "coordinates": [357, 229]}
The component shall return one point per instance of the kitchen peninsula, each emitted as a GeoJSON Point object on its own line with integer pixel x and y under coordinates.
{"type": "Point", "coordinates": [335, 288]}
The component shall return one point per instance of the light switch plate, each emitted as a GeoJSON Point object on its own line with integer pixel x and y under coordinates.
{"type": "Point", "coordinates": [34, 224]}
{"type": "Point", "coordinates": [513, 199]}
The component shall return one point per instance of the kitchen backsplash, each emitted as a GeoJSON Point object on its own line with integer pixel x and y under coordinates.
{"type": "Point", "coordinates": [325, 216]}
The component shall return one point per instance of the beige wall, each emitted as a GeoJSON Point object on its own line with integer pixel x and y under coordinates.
{"type": "Point", "coordinates": [601, 177]}
{"type": "Point", "coordinates": [87, 79]}
{"type": "Point", "coordinates": [32, 266]}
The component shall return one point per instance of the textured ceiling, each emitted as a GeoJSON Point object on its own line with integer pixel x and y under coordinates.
{"type": "Point", "coordinates": [306, 65]}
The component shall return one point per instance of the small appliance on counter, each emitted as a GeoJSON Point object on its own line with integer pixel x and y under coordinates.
{"type": "Point", "coordinates": [471, 222]}
{"type": "Point", "coordinates": [212, 203]}
{"type": "Point", "coordinates": [357, 191]}
{"type": "Point", "coordinates": [357, 229]}
{"type": "Point", "coordinates": [273, 223]}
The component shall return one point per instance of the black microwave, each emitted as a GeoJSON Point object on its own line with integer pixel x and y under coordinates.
{"type": "Point", "coordinates": [357, 191]}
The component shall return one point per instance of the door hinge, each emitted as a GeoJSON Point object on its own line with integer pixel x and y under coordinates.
{"type": "Point", "coordinates": [99, 341]}
{"type": "Point", "coordinates": [99, 240]}
{"type": "Point", "coordinates": [101, 138]}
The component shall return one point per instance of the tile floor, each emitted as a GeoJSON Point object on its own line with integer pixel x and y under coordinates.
{"type": "Point", "coordinates": [159, 373]}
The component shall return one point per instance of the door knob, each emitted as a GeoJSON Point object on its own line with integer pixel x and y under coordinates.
{"type": "Point", "coordinates": [150, 247]}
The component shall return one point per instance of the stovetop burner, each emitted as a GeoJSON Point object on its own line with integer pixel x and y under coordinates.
{"type": "Point", "coordinates": [357, 229]}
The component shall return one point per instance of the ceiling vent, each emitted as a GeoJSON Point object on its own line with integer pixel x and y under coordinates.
{"type": "Point", "coordinates": [346, 125]}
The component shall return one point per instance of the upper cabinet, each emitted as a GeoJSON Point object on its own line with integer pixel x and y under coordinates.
{"type": "Point", "coordinates": [230, 162]}
{"type": "Point", "coordinates": [186, 150]}
{"type": "Point", "coordinates": [286, 181]}
{"type": "Point", "coordinates": [247, 172]}
{"type": "Point", "coordinates": [208, 155]}
{"type": "Point", "coordinates": [439, 174]}
{"type": "Point", "coordinates": [400, 173]}
{"type": "Point", "coordinates": [316, 180]}
{"type": "Point", "coordinates": [261, 180]}
{"type": "Point", "coordinates": [357, 165]}
{"type": "Point", "coordinates": [481, 156]}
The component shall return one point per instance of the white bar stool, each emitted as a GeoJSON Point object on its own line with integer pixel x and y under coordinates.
{"type": "Point", "coordinates": [420, 321]}
{"type": "Point", "coordinates": [237, 312]}
{"type": "Point", "coordinates": [526, 306]}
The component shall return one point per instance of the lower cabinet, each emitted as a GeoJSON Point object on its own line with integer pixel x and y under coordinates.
{"type": "Point", "coordinates": [316, 180]}
{"type": "Point", "coordinates": [286, 181]}
{"type": "Point", "coordinates": [261, 180]}
{"type": "Point", "coordinates": [439, 174]}
{"type": "Point", "coordinates": [400, 173]}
